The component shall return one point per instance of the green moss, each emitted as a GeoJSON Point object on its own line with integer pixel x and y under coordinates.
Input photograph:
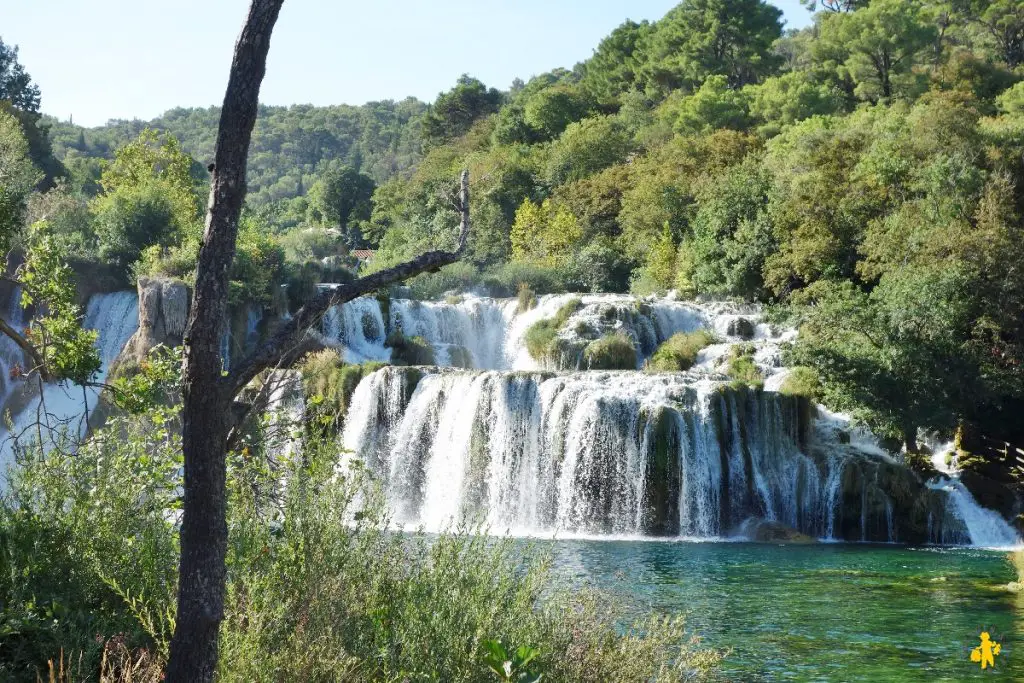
{"type": "Point", "coordinates": [742, 368]}
{"type": "Point", "coordinates": [611, 352]}
{"type": "Point", "coordinates": [371, 330]}
{"type": "Point", "coordinates": [460, 357]}
{"type": "Point", "coordinates": [453, 299]}
{"type": "Point", "coordinates": [527, 298]}
{"type": "Point", "coordinates": [542, 337]}
{"type": "Point", "coordinates": [680, 351]}
{"type": "Point", "coordinates": [409, 350]}
{"type": "Point", "coordinates": [328, 384]}
{"type": "Point", "coordinates": [802, 381]}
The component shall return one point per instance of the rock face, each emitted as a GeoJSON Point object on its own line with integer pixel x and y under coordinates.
{"type": "Point", "coordinates": [163, 312]}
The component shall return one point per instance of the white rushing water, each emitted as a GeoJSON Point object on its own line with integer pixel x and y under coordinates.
{"type": "Point", "coordinates": [65, 407]}
{"type": "Point", "coordinates": [491, 332]}
{"type": "Point", "coordinates": [619, 453]}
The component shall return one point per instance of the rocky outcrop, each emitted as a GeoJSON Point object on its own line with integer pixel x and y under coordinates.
{"type": "Point", "coordinates": [163, 312]}
{"type": "Point", "coordinates": [768, 531]}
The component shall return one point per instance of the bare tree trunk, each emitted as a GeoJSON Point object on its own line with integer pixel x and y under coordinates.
{"type": "Point", "coordinates": [206, 399]}
{"type": "Point", "coordinates": [208, 408]}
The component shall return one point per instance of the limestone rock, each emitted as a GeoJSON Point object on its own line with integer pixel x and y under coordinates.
{"type": "Point", "coordinates": [163, 313]}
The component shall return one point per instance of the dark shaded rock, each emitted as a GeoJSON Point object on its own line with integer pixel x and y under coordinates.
{"type": "Point", "coordinates": [740, 327]}
{"type": "Point", "coordinates": [768, 531]}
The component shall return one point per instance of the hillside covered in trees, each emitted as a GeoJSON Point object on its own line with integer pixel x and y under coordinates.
{"type": "Point", "coordinates": [862, 175]}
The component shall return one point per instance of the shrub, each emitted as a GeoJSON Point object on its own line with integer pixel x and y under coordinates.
{"type": "Point", "coordinates": [328, 384]}
{"type": "Point", "coordinates": [542, 337]}
{"type": "Point", "coordinates": [527, 299]}
{"type": "Point", "coordinates": [680, 351]}
{"type": "Point", "coordinates": [458, 276]}
{"type": "Point", "coordinates": [506, 279]}
{"type": "Point", "coordinates": [802, 381]}
{"type": "Point", "coordinates": [409, 350]}
{"type": "Point", "coordinates": [319, 585]}
{"type": "Point", "coordinates": [614, 351]}
{"type": "Point", "coordinates": [742, 368]}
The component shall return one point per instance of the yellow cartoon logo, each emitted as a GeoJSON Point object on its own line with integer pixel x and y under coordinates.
{"type": "Point", "coordinates": [986, 653]}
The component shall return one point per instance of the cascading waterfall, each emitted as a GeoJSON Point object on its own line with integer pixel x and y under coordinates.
{"type": "Point", "coordinates": [622, 453]}
{"type": "Point", "coordinates": [610, 453]}
{"type": "Point", "coordinates": [63, 406]}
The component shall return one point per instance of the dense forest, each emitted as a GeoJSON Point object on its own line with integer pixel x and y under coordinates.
{"type": "Point", "coordinates": [861, 175]}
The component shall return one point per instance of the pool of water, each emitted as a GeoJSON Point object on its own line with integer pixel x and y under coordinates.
{"type": "Point", "coordinates": [829, 612]}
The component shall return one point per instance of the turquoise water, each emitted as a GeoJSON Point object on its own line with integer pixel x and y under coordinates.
{"type": "Point", "coordinates": [830, 612]}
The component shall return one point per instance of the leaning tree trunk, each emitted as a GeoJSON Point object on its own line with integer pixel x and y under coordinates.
{"type": "Point", "coordinates": [206, 400]}
{"type": "Point", "coordinates": [209, 410]}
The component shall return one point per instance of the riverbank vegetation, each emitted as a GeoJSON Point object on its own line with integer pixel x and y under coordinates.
{"type": "Point", "coordinates": [320, 586]}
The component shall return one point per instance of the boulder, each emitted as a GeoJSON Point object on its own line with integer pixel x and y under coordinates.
{"type": "Point", "coordinates": [769, 531]}
{"type": "Point", "coordinates": [740, 327]}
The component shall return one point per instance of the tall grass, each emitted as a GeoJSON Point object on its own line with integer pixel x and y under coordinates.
{"type": "Point", "coordinates": [321, 587]}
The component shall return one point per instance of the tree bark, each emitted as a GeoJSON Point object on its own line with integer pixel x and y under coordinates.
{"type": "Point", "coordinates": [206, 399]}
{"type": "Point", "coordinates": [208, 395]}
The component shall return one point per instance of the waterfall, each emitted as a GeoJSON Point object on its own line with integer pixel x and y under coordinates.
{"type": "Point", "coordinates": [488, 334]}
{"type": "Point", "coordinates": [66, 407]}
{"type": "Point", "coordinates": [616, 453]}
{"type": "Point", "coordinates": [11, 356]}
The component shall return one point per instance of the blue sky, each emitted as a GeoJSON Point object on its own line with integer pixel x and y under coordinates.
{"type": "Point", "coordinates": [137, 58]}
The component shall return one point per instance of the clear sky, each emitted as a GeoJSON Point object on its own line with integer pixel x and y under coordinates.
{"type": "Point", "coordinates": [137, 58]}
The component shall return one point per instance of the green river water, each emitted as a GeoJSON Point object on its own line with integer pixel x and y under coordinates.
{"type": "Point", "coordinates": [829, 612]}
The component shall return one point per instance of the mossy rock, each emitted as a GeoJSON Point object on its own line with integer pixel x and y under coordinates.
{"type": "Point", "coordinates": [611, 352]}
{"type": "Point", "coordinates": [409, 350]}
{"type": "Point", "coordinates": [542, 337]}
{"type": "Point", "coordinates": [990, 493]}
{"type": "Point", "coordinates": [769, 531]}
{"type": "Point", "coordinates": [371, 328]}
{"type": "Point", "coordinates": [680, 351]}
{"type": "Point", "coordinates": [460, 357]}
{"type": "Point", "coordinates": [741, 327]}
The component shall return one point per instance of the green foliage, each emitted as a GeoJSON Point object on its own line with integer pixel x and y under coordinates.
{"type": "Point", "coordinates": [544, 234]}
{"type": "Point", "coordinates": [149, 199]}
{"type": "Point", "coordinates": [511, 665]}
{"type": "Point", "coordinates": [409, 350]}
{"type": "Point", "coordinates": [340, 198]}
{"type": "Point", "coordinates": [679, 352]}
{"type": "Point", "coordinates": [802, 381]}
{"type": "Point", "coordinates": [702, 38]}
{"type": "Point", "coordinates": [659, 272]}
{"type": "Point", "coordinates": [328, 384]}
{"type": "Point", "coordinates": [66, 350]}
{"type": "Point", "coordinates": [18, 175]}
{"type": "Point", "coordinates": [68, 218]}
{"type": "Point", "coordinates": [587, 147]}
{"type": "Point", "coordinates": [541, 337]}
{"type": "Point", "coordinates": [551, 110]}
{"type": "Point", "coordinates": [152, 382]}
{"type": "Point", "coordinates": [713, 106]}
{"type": "Point", "coordinates": [614, 67]}
{"type": "Point", "coordinates": [615, 351]}
{"type": "Point", "coordinates": [454, 111]}
{"type": "Point", "coordinates": [89, 545]}
{"type": "Point", "coordinates": [741, 367]}
{"type": "Point", "coordinates": [877, 47]}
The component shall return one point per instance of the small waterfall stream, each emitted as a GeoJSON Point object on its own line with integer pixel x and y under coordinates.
{"type": "Point", "coordinates": [65, 406]}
